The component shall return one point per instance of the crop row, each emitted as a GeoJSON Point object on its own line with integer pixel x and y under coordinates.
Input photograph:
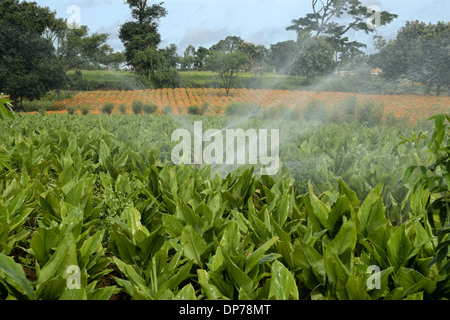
{"type": "Point", "coordinates": [412, 108]}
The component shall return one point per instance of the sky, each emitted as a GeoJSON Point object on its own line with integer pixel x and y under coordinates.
{"type": "Point", "coordinates": [205, 22]}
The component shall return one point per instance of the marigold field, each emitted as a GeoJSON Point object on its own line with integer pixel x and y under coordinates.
{"type": "Point", "coordinates": [411, 107]}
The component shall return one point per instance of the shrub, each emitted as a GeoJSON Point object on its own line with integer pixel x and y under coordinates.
{"type": "Point", "coordinates": [84, 110]}
{"type": "Point", "coordinates": [194, 110]}
{"type": "Point", "coordinates": [150, 108]}
{"type": "Point", "coordinates": [57, 106]}
{"type": "Point", "coordinates": [137, 107]}
{"type": "Point", "coordinates": [123, 108]}
{"type": "Point", "coordinates": [70, 110]}
{"type": "Point", "coordinates": [36, 105]}
{"type": "Point", "coordinates": [108, 108]}
{"type": "Point", "coordinates": [198, 110]}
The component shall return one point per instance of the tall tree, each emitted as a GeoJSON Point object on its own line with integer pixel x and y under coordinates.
{"type": "Point", "coordinates": [316, 57]}
{"type": "Point", "coordinates": [144, 27]}
{"type": "Point", "coordinates": [200, 58]}
{"type": "Point", "coordinates": [334, 19]}
{"type": "Point", "coordinates": [228, 45]}
{"type": "Point", "coordinates": [257, 55]}
{"type": "Point", "coordinates": [28, 65]}
{"type": "Point", "coordinates": [283, 56]}
{"type": "Point", "coordinates": [188, 59]}
{"type": "Point", "coordinates": [227, 66]}
{"type": "Point", "coordinates": [141, 40]}
{"type": "Point", "coordinates": [75, 48]}
{"type": "Point", "coordinates": [418, 54]}
{"type": "Point", "coordinates": [171, 55]}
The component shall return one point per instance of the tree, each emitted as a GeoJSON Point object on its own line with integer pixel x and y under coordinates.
{"type": "Point", "coordinates": [435, 47]}
{"type": "Point", "coordinates": [227, 66]}
{"type": "Point", "coordinates": [283, 56]}
{"type": "Point", "coordinates": [75, 48]}
{"type": "Point", "coordinates": [153, 69]}
{"type": "Point", "coordinates": [171, 55]}
{"type": "Point", "coordinates": [257, 56]}
{"type": "Point", "coordinates": [327, 20]}
{"type": "Point", "coordinates": [145, 26]}
{"type": "Point", "coordinates": [315, 58]}
{"type": "Point", "coordinates": [200, 58]}
{"type": "Point", "coordinates": [188, 59]}
{"type": "Point", "coordinates": [113, 60]}
{"type": "Point", "coordinates": [418, 54]}
{"type": "Point", "coordinates": [228, 45]}
{"type": "Point", "coordinates": [28, 65]}
{"type": "Point", "coordinates": [141, 39]}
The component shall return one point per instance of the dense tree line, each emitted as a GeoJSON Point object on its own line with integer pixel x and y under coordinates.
{"type": "Point", "coordinates": [420, 53]}
{"type": "Point", "coordinates": [37, 49]}
{"type": "Point", "coordinates": [36, 54]}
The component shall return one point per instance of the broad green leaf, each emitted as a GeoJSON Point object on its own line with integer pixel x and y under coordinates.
{"type": "Point", "coordinates": [182, 275]}
{"type": "Point", "coordinates": [139, 286]}
{"type": "Point", "coordinates": [64, 256]}
{"type": "Point", "coordinates": [356, 288]}
{"type": "Point", "coordinates": [102, 294]}
{"type": "Point", "coordinates": [306, 257]}
{"type": "Point", "coordinates": [350, 194]}
{"type": "Point", "coordinates": [189, 216]}
{"type": "Point", "coordinates": [337, 274]}
{"type": "Point", "coordinates": [43, 242]}
{"type": "Point", "coordinates": [90, 246]}
{"type": "Point", "coordinates": [186, 293]}
{"type": "Point", "coordinates": [255, 258]}
{"type": "Point", "coordinates": [341, 207]}
{"type": "Point", "coordinates": [231, 238]}
{"type": "Point", "coordinates": [104, 152]}
{"type": "Point", "coordinates": [194, 246]}
{"type": "Point", "coordinates": [282, 211]}
{"type": "Point", "coordinates": [412, 281]}
{"type": "Point", "coordinates": [15, 277]}
{"type": "Point", "coordinates": [4, 111]}
{"type": "Point", "coordinates": [384, 279]}
{"type": "Point", "coordinates": [173, 226]}
{"type": "Point", "coordinates": [282, 283]}
{"type": "Point", "coordinates": [137, 230]}
{"type": "Point", "coordinates": [4, 158]}
{"type": "Point", "coordinates": [74, 294]}
{"type": "Point", "coordinates": [371, 217]}
{"type": "Point", "coordinates": [239, 277]}
{"type": "Point", "coordinates": [210, 290]}
{"type": "Point", "coordinates": [345, 240]}
{"type": "Point", "coordinates": [398, 248]}
{"type": "Point", "coordinates": [318, 208]}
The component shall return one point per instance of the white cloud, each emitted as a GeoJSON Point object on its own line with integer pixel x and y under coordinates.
{"type": "Point", "coordinates": [202, 36]}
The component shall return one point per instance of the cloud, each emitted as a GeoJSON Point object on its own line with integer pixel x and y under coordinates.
{"type": "Point", "coordinates": [270, 35]}
{"type": "Point", "coordinates": [201, 36]}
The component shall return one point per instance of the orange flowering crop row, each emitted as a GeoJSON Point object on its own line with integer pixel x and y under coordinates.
{"type": "Point", "coordinates": [411, 107]}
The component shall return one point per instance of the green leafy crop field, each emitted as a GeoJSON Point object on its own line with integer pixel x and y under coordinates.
{"type": "Point", "coordinates": [91, 207]}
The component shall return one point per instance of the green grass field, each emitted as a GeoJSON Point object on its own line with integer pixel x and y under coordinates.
{"type": "Point", "coordinates": [123, 80]}
{"type": "Point", "coordinates": [199, 79]}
